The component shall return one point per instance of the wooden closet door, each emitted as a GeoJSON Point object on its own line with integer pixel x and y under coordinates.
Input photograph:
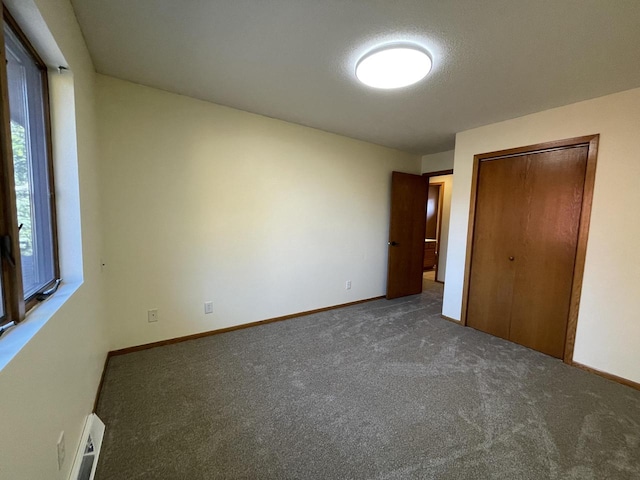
{"type": "Point", "coordinates": [525, 240]}
{"type": "Point", "coordinates": [553, 188]}
{"type": "Point", "coordinates": [496, 236]}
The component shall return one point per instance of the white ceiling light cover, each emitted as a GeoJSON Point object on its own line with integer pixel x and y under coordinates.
{"type": "Point", "coordinates": [393, 67]}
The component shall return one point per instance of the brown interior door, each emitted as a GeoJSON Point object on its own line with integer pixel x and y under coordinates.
{"type": "Point", "coordinates": [524, 246]}
{"type": "Point", "coordinates": [406, 234]}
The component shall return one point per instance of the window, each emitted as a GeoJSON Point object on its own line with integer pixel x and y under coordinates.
{"type": "Point", "coordinates": [29, 265]}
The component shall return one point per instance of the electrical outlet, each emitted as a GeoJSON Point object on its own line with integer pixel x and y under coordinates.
{"type": "Point", "coordinates": [152, 315]}
{"type": "Point", "coordinates": [61, 452]}
{"type": "Point", "coordinates": [347, 286]}
{"type": "Point", "coordinates": [208, 307]}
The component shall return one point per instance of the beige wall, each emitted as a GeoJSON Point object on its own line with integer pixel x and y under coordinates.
{"type": "Point", "coordinates": [436, 162]}
{"type": "Point", "coordinates": [447, 180]}
{"type": "Point", "coordinates": [608, 335]}
{"type": "Point", "coordinates": [262, 217]}
{"type": "Point", "coordinates": [50, 385]}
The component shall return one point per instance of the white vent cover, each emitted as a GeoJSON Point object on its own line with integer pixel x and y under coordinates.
{"type": "Point", "coordinates": [86, 461]}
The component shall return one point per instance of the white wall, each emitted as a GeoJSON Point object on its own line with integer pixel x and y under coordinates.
{"type": "Point", "coordinates": [50, 385]}
{"type": "Point", "coordinates": [262, 217]}
{"type": "Point", "coordinates": [608, 335]}
{"type": "Point", "coordinates": [447, 180]}
{"type": "Point", "coordinates": [436, 162]}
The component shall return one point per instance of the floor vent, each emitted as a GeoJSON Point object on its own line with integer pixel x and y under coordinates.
{"type": "Point", "coordinates": [86, 461]}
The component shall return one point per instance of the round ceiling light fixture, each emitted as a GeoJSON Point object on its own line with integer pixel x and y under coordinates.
{"type": "Point", "coordinates": [393, 66]}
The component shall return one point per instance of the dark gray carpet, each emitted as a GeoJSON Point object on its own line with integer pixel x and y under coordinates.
{"type": "Point", "coordinates": [382, 390]}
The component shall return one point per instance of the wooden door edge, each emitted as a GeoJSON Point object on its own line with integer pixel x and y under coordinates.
{"type": "Point", "coordinates": [581, 250]}
{"type": "Point", "coordinates": [470, 228]}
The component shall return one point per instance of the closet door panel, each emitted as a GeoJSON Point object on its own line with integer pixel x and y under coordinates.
{"type": "Point", "coordinates": [497, 227]}
{"type": "Point", "coordinates": [552, 191]}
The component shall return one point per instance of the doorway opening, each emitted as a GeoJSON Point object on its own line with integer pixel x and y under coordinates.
{"type": "Point", "coordinates": [407, 228]}
{"type": "Point", "coordinates": [437, 225]}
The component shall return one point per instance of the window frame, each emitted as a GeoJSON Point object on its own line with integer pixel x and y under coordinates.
{"type": "Point", "coordinates": [15, 305]}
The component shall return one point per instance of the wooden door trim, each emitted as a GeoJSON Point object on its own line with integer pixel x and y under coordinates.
{"type": "Point", "coordinates": [581, 251]}
{"type": "Point", "coordinates": [591, 142]}
{"type": "Point", "coordinates": [470, 228]}
{"type": "Point", "coordinates": [437, 174]}
{"type": "Point", "coordinates": [439, 222]}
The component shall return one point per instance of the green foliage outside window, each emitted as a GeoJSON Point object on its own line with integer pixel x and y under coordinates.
{"type": "Point", "coordinates": [23, 190]}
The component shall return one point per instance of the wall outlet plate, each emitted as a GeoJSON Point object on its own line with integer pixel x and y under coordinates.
{"type": "Point", "coordinates": [208, 307]}
{"type": "Point", "coordinates": [347, 285]}
{"type": "Point", "coordinates": [152, 315]}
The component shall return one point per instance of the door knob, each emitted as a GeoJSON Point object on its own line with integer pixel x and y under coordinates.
{"type": "Point", "coordinates": [511, 259]}
{"type": "Point", "coordinates": [394, 244]}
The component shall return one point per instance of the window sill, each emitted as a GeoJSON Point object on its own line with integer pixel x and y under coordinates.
{"type": "Point", "coordinates": [17, 337]}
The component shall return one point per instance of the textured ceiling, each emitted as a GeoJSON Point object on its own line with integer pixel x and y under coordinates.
{"type": "Point", "coordinates": [294, 59]}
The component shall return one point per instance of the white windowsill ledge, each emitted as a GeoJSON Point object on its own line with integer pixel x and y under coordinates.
{"type": "Point", "coordinates": [15, 338]}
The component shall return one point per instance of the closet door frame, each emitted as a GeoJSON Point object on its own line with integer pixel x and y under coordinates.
{"type": "Point", "coordinates": [591, 141]}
